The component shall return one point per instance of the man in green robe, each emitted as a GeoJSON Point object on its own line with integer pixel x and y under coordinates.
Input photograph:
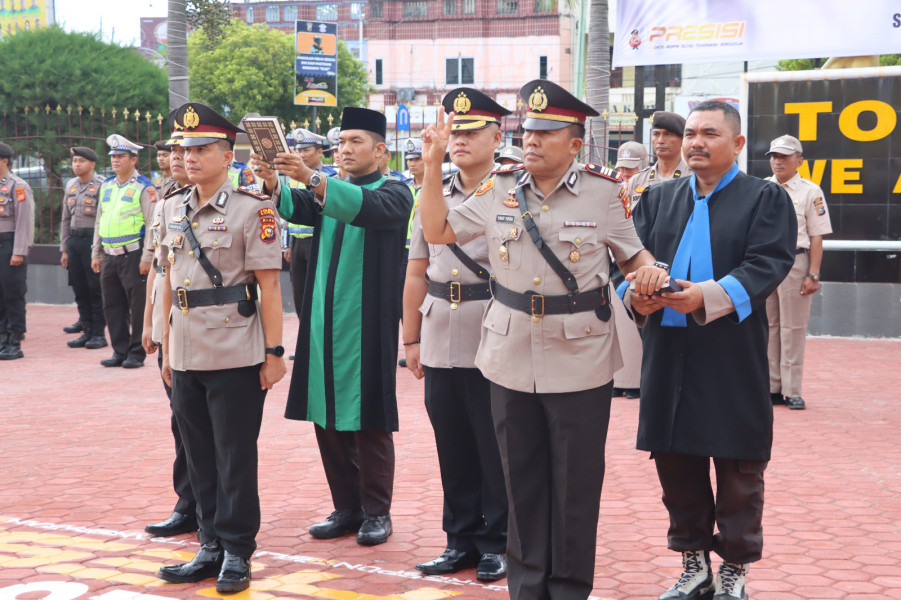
{"type": "Point", "coordinates": [345, 367]}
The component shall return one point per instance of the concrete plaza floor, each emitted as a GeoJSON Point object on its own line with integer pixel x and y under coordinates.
{"type": "Point", "coordinates": [85, 463]}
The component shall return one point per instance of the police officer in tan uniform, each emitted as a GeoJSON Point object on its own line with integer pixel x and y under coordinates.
{"type": "Point", "coordinates": [788, 308]}
{"type": "Point", "coordinates": [510, 155]}
{"type": "Point", "coordinates": [221, 345]}
{"type": "Point", "coordinates": [164, 180]}
{"type": "Point", "coordinates": [631, 157]}
{"type": "Point", "coordinates": [445, 295]}
{"type": "Point", "coordinates": [79, 215]}
{"type": "Point", "coordinates": [666, 138]}
{"type": "Point", "coordinates": [183, 518]}
{"type": "Point", "coordinates": [548, 345]}
{"type": "Point", "coordinates": [16, 237]}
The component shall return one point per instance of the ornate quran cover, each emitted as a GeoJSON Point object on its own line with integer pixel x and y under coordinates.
{"type": "Point", "coordinates": [266, 136]}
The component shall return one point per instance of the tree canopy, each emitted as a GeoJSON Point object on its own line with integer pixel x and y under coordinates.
{"type": "Point", "coordinates": [252, 70]}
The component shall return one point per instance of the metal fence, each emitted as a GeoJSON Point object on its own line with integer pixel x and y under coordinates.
{"type": "Point", "coordinates": [42, 136]}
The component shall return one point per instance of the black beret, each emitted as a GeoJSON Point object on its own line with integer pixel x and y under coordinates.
{"type": "Point", "coordinates": [6, 151]}
{"type": "Point", "coordinates": [668, 121]}
{"type": "Point", "coordinates": [84, 152]}
{"type": "Point", "coordinates": [162, 145]}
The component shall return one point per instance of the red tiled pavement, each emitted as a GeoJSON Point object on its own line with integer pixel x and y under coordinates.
{"type": "Point", "coordinates": [85, 454]}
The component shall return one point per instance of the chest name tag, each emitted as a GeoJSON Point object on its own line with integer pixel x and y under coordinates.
{"type": "Point", "coordinates": [504, 218]}
{"type": "Point", "coordinates": [173, 227]}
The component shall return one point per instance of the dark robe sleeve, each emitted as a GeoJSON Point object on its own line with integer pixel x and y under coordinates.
{"type": "Point", "coordinates": [386, 207]}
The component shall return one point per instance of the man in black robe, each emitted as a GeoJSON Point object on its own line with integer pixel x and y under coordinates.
{"type": "Point", "coordinates": [730, 238]}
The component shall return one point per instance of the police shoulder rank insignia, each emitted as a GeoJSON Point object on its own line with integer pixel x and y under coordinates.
{"type": "Point", "coordinates": [605, 172]}
{"type": "Point", "coordinates": [20, 194]}
{"type": "Point", "coordinates": [253, 193]}
{"type": "Point", "coordinates": [221, 199]}
{"type": "Point", "coordinates": [571, 180]}
{"type": "Point", "coordinates": [640, 189]}
{"type": "Point", "coordinates": [677, 174]}
{"type": "Point", "coordinates": [510, 201]}
{"type": "Point", "coordinates": [176, 191]}
{"type": "Point", "coordinates": [511, 168]}
{"type": "Point", "coordinates": [485, 187]}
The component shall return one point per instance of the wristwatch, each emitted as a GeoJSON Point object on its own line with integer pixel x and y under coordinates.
{"type": "Point", "coordinates": [814, 276]}
{"type": "Point", "coordinates": [276, 351]}
{"type": "Point", "coordinates": [662, 265]}
{"type": "Point", "coordinates": [315, 180]}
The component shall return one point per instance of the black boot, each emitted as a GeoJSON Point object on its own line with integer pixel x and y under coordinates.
{"type": "Point", "coordinates": [4, 338]}
{"type": "Point", "coordinates": [13, 348]}
{"type": "Point", "coordinates": [205, 565]}
{"type": "Point", "coordinates": [76, 327]}
{"type": "Point", "coordinates": [98, 340]}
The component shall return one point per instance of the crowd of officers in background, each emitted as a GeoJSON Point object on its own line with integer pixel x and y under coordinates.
{"type": "Point", "coordinates": [112, 231]}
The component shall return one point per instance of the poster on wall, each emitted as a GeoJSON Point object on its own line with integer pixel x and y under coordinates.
{"type": "Point", "coordinates": [316, 64]}
{"type": "Point", "coordinates": [24, 15]}
{"type": "Point", "coordinates": [660, 32]}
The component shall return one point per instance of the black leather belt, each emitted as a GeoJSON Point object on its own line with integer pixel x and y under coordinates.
{"type": "Point", "coordinates": [800, 251]}
{"type": "Point", "coordinates": [186, 299]}
{"type": "Point", "coordinates": [454, 291]}
{"type": "Point", "coordinates": [82, 232]}
{"type": "Point", "coordinates": [8, 235]}
{"type": "Point", "coordinates": [538, 305]}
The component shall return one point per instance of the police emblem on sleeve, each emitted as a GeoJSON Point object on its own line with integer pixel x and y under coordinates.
{"type": "Point", "coordinates": [462, 103]}
{"type": "Point", "coordinates": [485, 187]}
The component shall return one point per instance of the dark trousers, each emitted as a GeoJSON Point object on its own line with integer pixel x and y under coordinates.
{"type": "Point", "coordinates": [186, 504]}
{"type": "Point", "coordinates": [85, 283]}
{"type": "Point", "coordinates": [124, 291]}
{"type": "Point", "coordinates": [737, 509]}
{"type": "Point", "coordinates": [359, 468]}
{"type": "Point", "coordinates": [219, 415]}
{"type": "Point", "coordinates": [552, 449]}
{"type": "Point", "coordinates": [300, 261]}
{"type": "Point", "coordinates": [13, 287]}
{"type": "Point", "coordinates": [458, 402]}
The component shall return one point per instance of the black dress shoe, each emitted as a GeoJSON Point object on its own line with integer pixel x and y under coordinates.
{"type": "Point", "coordinates": [632, 393]}
{"type": "Point", "coordinates": [114, 361]}
{"type": "Point", "coordinates": [617, 393]}
{"type": "Point", "coordinates": [795, 403]}
{"type": "Point", "coordinates": [132, 363]}
{"type": "Point", "coordinates": [234, 576]}
{"type": "Point", "coordinates": [375, 530]}
{"type": "Point", "coordinates": [174, 525]}
{"type": "Point", "coordinates": [450, 562]}
{"type": "Point", "coordinates": [79, 342]}
{"type": "Point", "coordinates": [205, 565]}
{"type": "Point", "coordinates": [76, 327]}
{"type": "Point", "coordinates": [96, 341]}
{"type": "Point", "coordinates": [777, 399]}
{"type": "Point", "coordinates": [340, 522]}
{"type": "Point", "coordinates": [491, 567]}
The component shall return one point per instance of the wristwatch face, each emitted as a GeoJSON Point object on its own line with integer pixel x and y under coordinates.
{"type": "Point", "coordinates": [276, 351]}
{"type": "Point", "coordinates": [315, 180]}
{"type": "Point", "coordinates": [662, 265]}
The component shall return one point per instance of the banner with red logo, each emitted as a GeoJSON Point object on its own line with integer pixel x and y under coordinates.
{"type": "Point", "coordinates": [659, 32]}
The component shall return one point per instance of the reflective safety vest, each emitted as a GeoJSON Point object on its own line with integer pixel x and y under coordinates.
{"type": "Point", "coordinates": [295, 230]}
{"type": "Point", "coordinates": [416, 192]}
{"type": "Point", "coordinates": [243, 176]}
{"type": "Point", "coordinates": [121, 217]}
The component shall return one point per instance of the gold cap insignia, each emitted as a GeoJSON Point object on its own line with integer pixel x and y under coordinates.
{"type": "Point", "coordinates": [538, 100]}
{"type": "Point", "coordinates": [462, 104]}
{"type": "Point", "coordinates": [192, 120]}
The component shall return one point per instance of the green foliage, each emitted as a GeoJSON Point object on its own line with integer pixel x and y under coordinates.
{"type": "Point", "coordinates": [211, 17]}
{"type": "Point", "coordinates": [252, 70]}
{"type": "Point", "coordinates": [808, 64]}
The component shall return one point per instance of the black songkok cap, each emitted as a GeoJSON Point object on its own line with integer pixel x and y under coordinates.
{"type": "Point", "coordinates": [84, 152]}
{"type": "Point", "coordinates": [472, 109]}
{"type": "Point", "coordinates": [668, 121]}
{"type": "Point", "coordinates": [365, 119]}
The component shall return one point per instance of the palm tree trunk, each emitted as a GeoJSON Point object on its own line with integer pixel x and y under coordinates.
{"type": "Point", "coordinates": [178, 53]}
{"type": "Point", "coordinates": [597, 74]}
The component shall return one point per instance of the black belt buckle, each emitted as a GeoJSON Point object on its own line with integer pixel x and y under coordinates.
{"type": "Point", "coordinates": [456, 291]}
{"type": "Point", "coordinates": [540, 311]}
{"type": "Point", "coordinates": [182, 300]}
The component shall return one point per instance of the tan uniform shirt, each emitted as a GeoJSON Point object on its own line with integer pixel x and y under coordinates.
{"type": "Point", "coordinates": [79, 206]}
{"type": "Point", "coordinates": [450, 336]}
{"type": "Point", "coordinates": [810, 208]}
{"type": "Point", "coordinates": [168, 186]}
{"type": "Point", "coordinates": [239, 233]}
{"type": "Point", "coordinates": [581, 221]}
{"type": "Point", "coordinates": [651, 175]}
{"type": "Point", "coordinates": [149, 198]}
{"type": "Point", "coordinates": [159, 281]}
{"type": "Point", "coordinates": [17, 212]}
